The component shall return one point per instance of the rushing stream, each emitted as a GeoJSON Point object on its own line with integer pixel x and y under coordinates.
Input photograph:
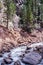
{"type": "Point", "coordinates": [16, 54]}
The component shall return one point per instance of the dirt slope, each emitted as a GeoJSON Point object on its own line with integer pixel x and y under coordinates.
{"type": "Point", "coordinates": [13, 38]}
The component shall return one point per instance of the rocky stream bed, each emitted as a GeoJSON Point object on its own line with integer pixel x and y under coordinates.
{"type": "Point", "coordinates": [23, 55]}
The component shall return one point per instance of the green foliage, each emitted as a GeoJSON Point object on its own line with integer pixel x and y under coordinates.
{"type": "Point", "coordinates": [24, 14]}
{"type": "Point", "coordinates": [12, 8]}
{"type": "Point", "coordinates": [27, 16]}
{"type": "Point", "coordinates": [41, 1]}
{"type": "Point", "coordinates": [0, 5]}
{"type": "Point", "coordinates": [10, 5]}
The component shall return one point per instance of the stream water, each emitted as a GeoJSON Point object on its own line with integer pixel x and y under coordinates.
{"type": "Point", "coordinates": [15, 55]}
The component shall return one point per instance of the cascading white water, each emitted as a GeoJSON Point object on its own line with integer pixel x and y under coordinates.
{"type": "Point", "coordinates": [17, 52]}
{"type": "Point", "coordinates": [14, 53]}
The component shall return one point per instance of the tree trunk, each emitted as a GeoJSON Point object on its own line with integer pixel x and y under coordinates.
{"type": "Point", "coordinates": [7, 21]}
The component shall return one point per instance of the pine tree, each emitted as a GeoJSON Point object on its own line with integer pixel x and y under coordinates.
{"type": "Point", "coordinates": [0, 5]}
{"type": "Point", "coordinates": [27, 15]}
{"type": "Point", "coordinates": [41, 1]}
{"type": "Point", "coordinates": [10, 5]}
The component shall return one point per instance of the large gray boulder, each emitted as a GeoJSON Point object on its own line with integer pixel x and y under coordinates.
{"type": "Point", "coordinates": [32, 58]}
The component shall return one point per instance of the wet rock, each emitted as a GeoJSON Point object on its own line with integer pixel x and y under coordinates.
{"type": "Point", "coordinates": [1, 55]}
{"type": "Point", "coordinates": [8, 60]}
{"type": "Point", "coordinates": [32, 58]}
{"type": "Point", "coordinates": [41, 63]}
{"type": "Point", "coordinates": [2, 63]}
{"type": "Point", "coordinates": [21, 56]}
{"type": "Point", "coordinates": [40, 48]}
{"type": "Point", "coordinates": [28, 49]}
{"type": "Point", "coordinates": [17, 63]}
{"type": "Point", "coordinates": [37, 47]}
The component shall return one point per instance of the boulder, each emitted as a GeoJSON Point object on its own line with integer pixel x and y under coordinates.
{"type": "Point", "coordinates": [17, 63]}
{"type": "Point", "coordinates": [8, 60]}
{"type": "Point", "coordinates": [1, 55]}
{"type": "Point", "coordinates": [32, 58]}
{"type": "Point", "coordinates": [40, 48]}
